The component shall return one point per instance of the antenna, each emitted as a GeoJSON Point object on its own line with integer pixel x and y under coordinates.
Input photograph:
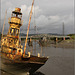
{"type": "Point", "coordinates": [34, 21]}
{"type": "Point", "coordinates": [63, 28]}
{"type": "Point", "coordinates": [35, 28]}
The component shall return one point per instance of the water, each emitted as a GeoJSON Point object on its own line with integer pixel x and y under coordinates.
{"type": "Point", "coordinates": [60, 62]}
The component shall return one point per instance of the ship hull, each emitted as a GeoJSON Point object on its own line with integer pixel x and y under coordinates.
{"type": "Point", "coordinates": [25, 65]}
{"type": "Point", "coordinates": [21, 68]}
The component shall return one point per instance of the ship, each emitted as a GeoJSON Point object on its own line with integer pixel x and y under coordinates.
{"type": "Point", "coordinates": [12, 52]}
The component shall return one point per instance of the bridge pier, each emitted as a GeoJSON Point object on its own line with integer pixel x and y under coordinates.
{"type": "Point", "coordinates": [64, 38]}
{"type": "Point", "coordinates": [56, 40]}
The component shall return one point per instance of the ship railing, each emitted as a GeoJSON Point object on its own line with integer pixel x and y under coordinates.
{"type": "Point", "coordinates": [21, 22]}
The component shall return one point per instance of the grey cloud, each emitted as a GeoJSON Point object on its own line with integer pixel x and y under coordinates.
{"type": "Point", "coordinates": [49, 14]}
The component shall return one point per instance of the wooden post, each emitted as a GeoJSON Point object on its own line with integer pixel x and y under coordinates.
{"type": "Point", "coordinates": [64, 38]}
{"type": "Point", "coordinates": [56, 39]}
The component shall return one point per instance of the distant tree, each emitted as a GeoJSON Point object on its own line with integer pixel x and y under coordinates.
{"type": "Point", "coordinates": [72, 36]}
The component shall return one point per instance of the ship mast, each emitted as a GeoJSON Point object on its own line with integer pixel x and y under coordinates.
{"type": "Point", "coordinates": [28, 27]}
{"type": "Point", "coordinates": [4, 23]}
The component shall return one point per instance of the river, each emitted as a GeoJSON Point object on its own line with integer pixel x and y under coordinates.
{"type": "Point", "coordinates": [60, 62]}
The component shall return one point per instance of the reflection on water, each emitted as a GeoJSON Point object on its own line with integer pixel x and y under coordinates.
{"type": "Point", "coordinates": [60, 62]}
{"type": "Point", "coordinates": [3, 72]}
{"type": "Point", "coordinates": [38, 73]}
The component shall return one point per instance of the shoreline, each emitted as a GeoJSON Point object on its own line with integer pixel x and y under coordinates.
{"type": "Point", "coordinates": [62, 44]}
{"type": "Point", "coordinates": [66, 44]}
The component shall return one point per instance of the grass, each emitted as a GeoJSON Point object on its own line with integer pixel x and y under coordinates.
{"type": "Point", "coordinates": [72, 36]}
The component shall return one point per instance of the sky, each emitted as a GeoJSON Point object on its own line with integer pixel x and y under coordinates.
{"type": "Point", "coordinates": [48, 15]}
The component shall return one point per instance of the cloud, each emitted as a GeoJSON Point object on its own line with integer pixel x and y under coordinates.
{"type": "Point", "coordinates": [49, 14]}
{"type": "Point", "coordinates": [26, 10]}
{"type": "Point", "coordinates": [8, 4]}
{"type": "Point", "coordinates": [55, 23]}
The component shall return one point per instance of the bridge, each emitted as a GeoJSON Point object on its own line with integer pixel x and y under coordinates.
{"type": "Point", "coordinates": [47, 36]}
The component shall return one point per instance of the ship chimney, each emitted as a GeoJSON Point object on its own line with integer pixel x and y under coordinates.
{"type": "Point", "coordinates": [17, 9]}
